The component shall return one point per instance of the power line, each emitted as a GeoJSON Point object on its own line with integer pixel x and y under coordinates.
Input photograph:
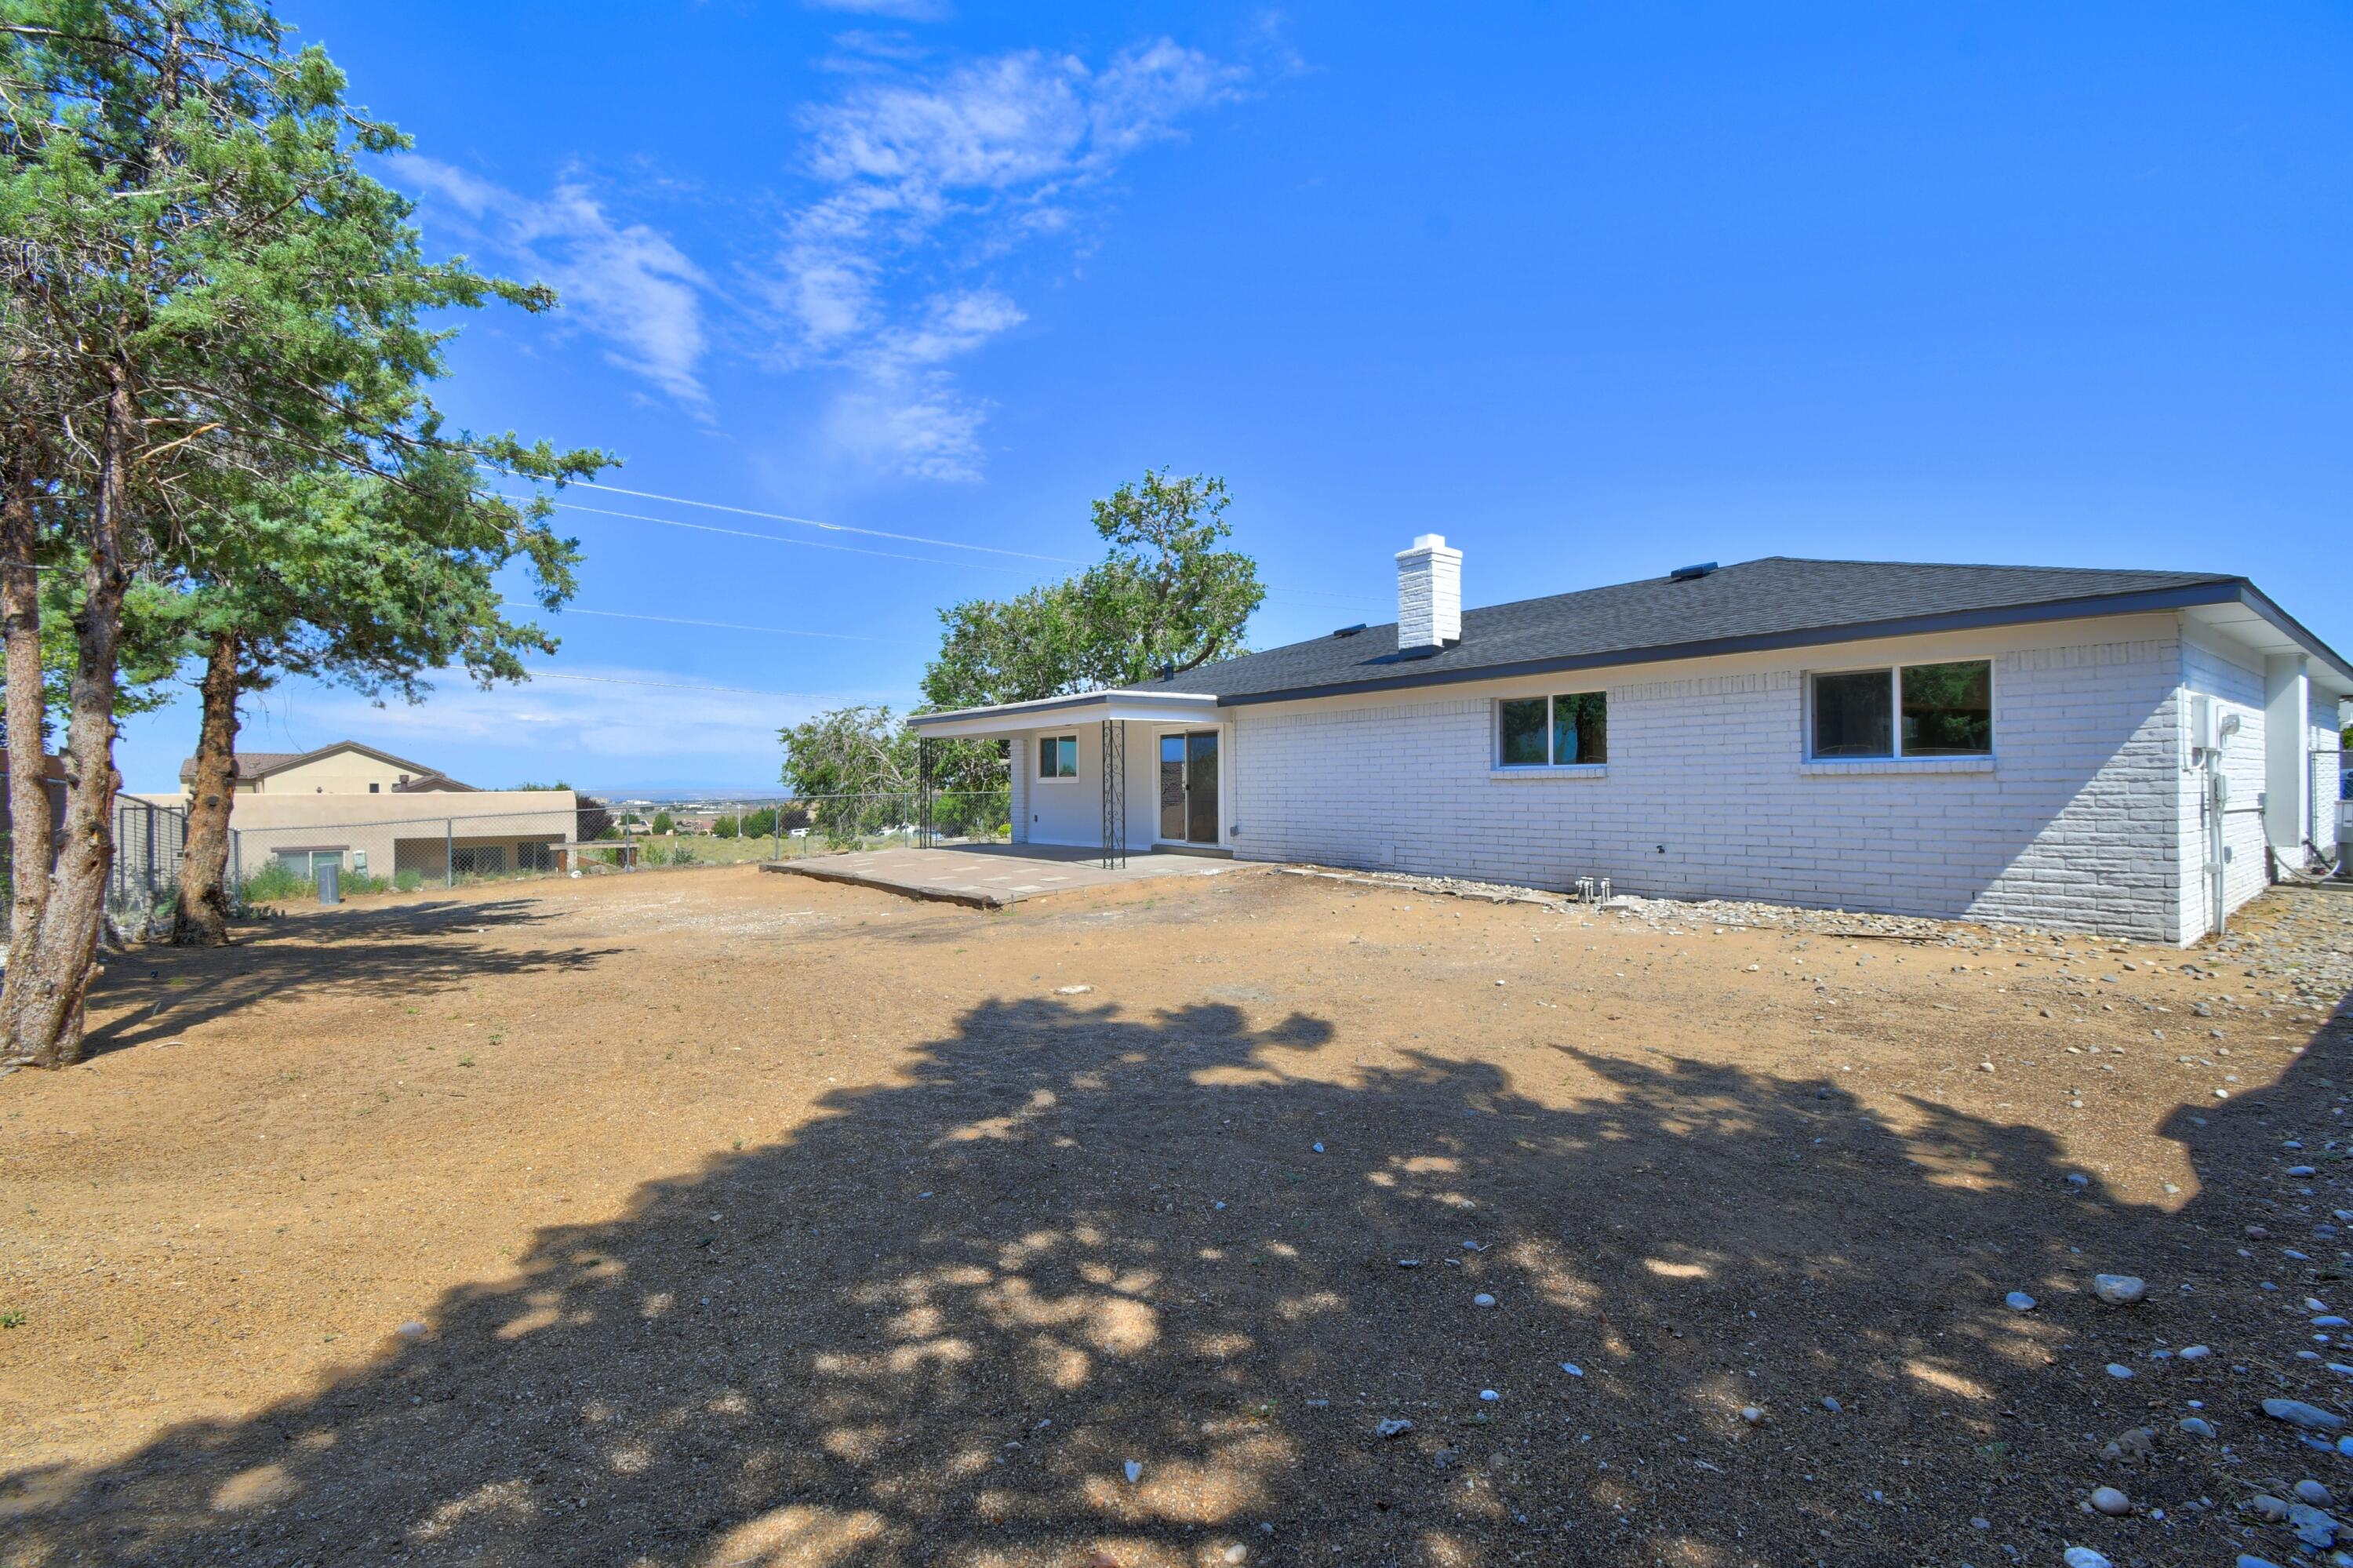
{"type": "Point", "coordinates": [874, 533]}
{"type": "Point", "coordinates": [721, 625]}
{"type": "Point", "coordinates": [829, 527]}
{"type": "Point", "coordinates": [684, 686]}
{"type": "Point", "coordinates": [782, 539]}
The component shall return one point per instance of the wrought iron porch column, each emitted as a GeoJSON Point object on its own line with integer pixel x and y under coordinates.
{"type": "Point", "coordinates": [1114, 793]}
{"type": "Point", "coordinates": [924, 791]}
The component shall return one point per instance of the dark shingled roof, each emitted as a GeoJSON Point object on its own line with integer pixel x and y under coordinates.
{"type": "Point", "coordinates": [1775, 602]}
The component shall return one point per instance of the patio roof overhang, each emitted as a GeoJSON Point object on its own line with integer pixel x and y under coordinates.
{"type": "Point", "coordinates": [1083, 707]}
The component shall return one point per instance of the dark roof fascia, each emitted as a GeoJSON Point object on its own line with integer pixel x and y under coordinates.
{"type": "Point", "coordinates": [2255, 599]}
{"type": "Point", "coordinates": [2222, 590]}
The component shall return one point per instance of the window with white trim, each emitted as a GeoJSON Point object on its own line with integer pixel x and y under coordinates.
{"type": "Point", "coordinates": [1906, 710]}
{"type": "Point", "coordinates": [1566, 731]}
{"type": "Point", "coordinates": [1058, 757]}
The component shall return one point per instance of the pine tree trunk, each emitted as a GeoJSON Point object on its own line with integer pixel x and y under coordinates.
{"type": "Point", "coordinates": [20, 634]}
{"type": "Point", "coordinates": [200, 919]}
{"type": "Point", "coordinates": [41, 1009]}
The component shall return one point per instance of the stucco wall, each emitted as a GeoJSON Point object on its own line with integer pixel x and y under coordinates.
{"type": "Point", "coordinates": [399, 831]}
{"type": "Point", "coordinates": [2073, 824]}
{"type": "Point", "coordinates": [338, 773]}
{"type": "Point", "coordinates": [1069, 810]}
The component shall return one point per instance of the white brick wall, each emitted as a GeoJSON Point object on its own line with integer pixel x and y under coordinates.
{"type": "Point", "coordinates": [1429, 593]}
{"type": "Point", "coordinates": [2326, 741]}
{"type": "Point", "coordinates": [2233, 677]}
{"type": "Point", "coordinates": [2075, 824]}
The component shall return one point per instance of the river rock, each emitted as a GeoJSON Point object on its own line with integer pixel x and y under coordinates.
{"type": "Point", "coordinates": [2296, 1413]}
{"type": "Point", "coordinates": [2109, 1500]}
{"type": "Point", "coordinates": [2120, 1289]}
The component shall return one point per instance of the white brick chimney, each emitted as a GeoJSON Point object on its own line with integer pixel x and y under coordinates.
{"type": "Point", "coordinates": [1430, 594]}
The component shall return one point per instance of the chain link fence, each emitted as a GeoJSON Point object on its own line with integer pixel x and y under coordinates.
{"type": "Point", "coordinates": [279, 864]}
{"type": "Point", "coordinates": [373, 854]}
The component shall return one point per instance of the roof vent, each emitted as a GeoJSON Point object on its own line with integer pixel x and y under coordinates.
{"type": "Point", "coordinates": [1349, 630]}
{"type": "Point", "coordinates": [1690, 574]}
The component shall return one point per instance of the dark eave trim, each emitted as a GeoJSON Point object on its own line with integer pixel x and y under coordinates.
{"type": "Point", "coordinates": [2222, 590]}
{"type": "Point", "coordinates": [2255, 599]}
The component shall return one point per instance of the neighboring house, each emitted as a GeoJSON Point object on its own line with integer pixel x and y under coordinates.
{"type": "Point", "coordinates": [366, 810]}
{"type": "Point", "coordinates": [2040, 745]}
{"type": "Point", "coordinates": [346, 767]}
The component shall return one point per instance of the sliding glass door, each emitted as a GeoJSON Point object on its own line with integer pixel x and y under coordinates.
{"type": "Point", "coordinates": [1189, 788]}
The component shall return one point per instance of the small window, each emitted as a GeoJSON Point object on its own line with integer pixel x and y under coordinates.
{"type": "Point", "coordinates": [1914, 710]}
{"type": "Point", "coordinates": [1553, 732]}
{"type": "Point", "coordinates": [1058, 757]}
{"type": "Point", "coordinates": [374, 788]}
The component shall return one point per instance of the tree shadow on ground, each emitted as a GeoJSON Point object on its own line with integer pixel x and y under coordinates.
{"type": "Point", "coordinates": [406, 950]}
{"type": "Point", "coordinates": [936, 1324]}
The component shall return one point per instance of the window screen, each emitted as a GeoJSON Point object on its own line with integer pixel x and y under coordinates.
{"type": "Point", "coordinates": [1524, 733]}
{"type": "Point", "coordinates": [1853, 714]}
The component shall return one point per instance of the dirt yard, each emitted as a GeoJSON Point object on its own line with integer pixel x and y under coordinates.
{"type": "Point", "coordinates": [720, 1217]}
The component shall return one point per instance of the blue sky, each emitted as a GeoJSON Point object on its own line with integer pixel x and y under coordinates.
{"type": "Point", "coordinates": [1594, 292]}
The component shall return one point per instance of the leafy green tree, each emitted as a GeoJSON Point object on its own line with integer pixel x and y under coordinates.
{"type": "Point", "coordinates": [723, 828]}
{"type": "Point", "coordinates": [204, 298]}
{"type": "Point", "coordinates": [1166, 596]}
{"type": "Point", "coordinates": [346, 578]}
{"type": "Point", "coordinates": [664, 822]}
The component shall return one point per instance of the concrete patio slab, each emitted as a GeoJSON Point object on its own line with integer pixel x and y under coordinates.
{"type": "Point", "coordinates": [991, 876]}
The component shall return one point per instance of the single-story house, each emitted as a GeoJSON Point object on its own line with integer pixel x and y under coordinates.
{"type": "Point", "coordinates": [2115, 751]}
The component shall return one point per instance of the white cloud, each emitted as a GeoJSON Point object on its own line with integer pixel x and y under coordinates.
{"type": "Point", "coordinates": [626, 283]}
{"type": "Point", "coordinates": [920, 427]}
{"type": "Point", "coordinates": [898, 10]}
{"type": "Point", "coordinates": [927, 180]}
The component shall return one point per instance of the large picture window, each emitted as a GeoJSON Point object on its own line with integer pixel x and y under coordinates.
{"type": "Point", "coordinates": [1553, 732]}
{"type": "Point", "coordinates": [1911, 710]}
{"type": "Point", "coordinates": [1058, 757]}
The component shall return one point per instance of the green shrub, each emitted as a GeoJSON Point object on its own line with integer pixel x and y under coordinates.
{"type": "Point", "coordinates": [274, 881]}
{"type": "Point", "coordinates": [409, 881]}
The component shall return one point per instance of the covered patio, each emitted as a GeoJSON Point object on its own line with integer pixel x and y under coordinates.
{"type": "Point", "coordinates": [992, 876]}
{"type": "Point", "coordinates": [1100, 771]}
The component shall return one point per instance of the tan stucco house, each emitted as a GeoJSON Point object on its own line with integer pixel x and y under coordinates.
{"type": "Point", "coordinates": [366, 810]}
{"type": "Point", "coordinates": [346, 767]}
